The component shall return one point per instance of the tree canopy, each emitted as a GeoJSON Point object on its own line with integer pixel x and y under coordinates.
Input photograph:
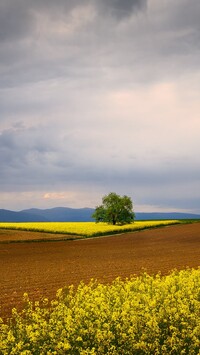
{"type": "Point", "coordinates": [115, 209]}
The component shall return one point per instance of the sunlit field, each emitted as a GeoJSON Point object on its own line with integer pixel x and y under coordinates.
{"type": "Point", "coordinates": [113, 306]}
{"type": "Point", "coordinates": [86, 229]}
{"type": "Point", "coordinates": [142, 315]}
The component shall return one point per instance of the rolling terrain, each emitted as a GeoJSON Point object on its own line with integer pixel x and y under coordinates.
{"type": "Point", "coordinates": [66, 214]}
{"type": "Point", "coordinates": [41, 268]}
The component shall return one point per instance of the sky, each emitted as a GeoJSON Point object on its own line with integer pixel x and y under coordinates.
{"type": "Point", "coordinates": [100, 96]}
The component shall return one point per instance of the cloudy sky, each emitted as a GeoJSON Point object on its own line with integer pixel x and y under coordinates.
{"type": "Point", "coordinates": [99, 96]}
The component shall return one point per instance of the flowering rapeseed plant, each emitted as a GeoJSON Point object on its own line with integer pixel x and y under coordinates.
{"type": "Point", "coordinates": [87, 229]}
{"type": "Point", "coordinates": [141, 315]}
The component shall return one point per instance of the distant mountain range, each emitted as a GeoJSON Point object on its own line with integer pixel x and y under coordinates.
{"type": "Point", "coordinates": [57, 214]}
{"type": "Point", "coordinates": [165, 215]}
{"type": "Point", "coordinates": [66, 214]}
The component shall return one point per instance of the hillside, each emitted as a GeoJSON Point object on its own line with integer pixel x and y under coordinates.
{"type": "Point", "coordinates": [165, 215]}
{"type": "Point", "coordinates": [66, 214]}
{"type": "Point", "coordinates": [63, 214]}
{"type": "Point", "coordinates": [22, 216]}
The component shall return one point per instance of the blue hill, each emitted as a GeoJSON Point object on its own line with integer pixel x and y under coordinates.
{"type": "Point", "coordinates": [66, 214]}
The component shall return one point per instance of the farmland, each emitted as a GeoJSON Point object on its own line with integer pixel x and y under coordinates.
{"type": "Point", "coordinates": [140, 313]}
{"type": "Point", "coordinates": [84, 229]}
{"type": "Point", "coordinates": [41, 268]}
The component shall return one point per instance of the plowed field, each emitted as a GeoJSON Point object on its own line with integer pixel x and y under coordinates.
{"type": "Point", "coordinates": [40, 268]}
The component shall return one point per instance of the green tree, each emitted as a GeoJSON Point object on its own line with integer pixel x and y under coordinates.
{"type": "Point", "coordinates": [115, 209]}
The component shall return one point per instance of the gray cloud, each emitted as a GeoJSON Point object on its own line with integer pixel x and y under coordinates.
{"type": "Point", "coordinates": [53, 42]}
{"type": "Point", "coordinates": [15, 20]}
{"type": "Point", "coordinates": [18, 18]}
{"type": "Point", "coordinates": [100, 96]}
{"type": "Point", "coordinates": [121, 9]}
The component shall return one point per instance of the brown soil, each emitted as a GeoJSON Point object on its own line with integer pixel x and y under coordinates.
{"type": "Point", "coordinates": [9, 236]}
{"type": "Point", "coordinates": [41, 268]}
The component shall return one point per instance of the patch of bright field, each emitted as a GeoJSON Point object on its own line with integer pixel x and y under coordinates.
{"type": "Point", "coordinates": [87, 229]}
{"type": "Point", "coordinates": [142, 315]}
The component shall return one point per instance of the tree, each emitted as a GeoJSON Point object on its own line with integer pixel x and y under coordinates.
{"type": "Point", "coordinates": [115, 210]}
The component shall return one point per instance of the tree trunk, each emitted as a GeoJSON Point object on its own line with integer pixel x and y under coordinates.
{"type": "Point", "coordinates": [113, 221]}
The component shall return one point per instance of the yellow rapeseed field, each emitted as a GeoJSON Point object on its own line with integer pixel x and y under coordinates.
{"type": "Point", "coordinates": [152, 315]}
{"type": "Point", "coordinates": [87, 229]}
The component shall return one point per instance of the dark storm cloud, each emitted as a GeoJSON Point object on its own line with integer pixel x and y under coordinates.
{"type": "Point", "coordinates": [120, 9]}
{"type": "Point", "coordinates": [37, 156]}
{"type": "Point", "coordinates": [17, 17]}
{"type": "Point", "coordinates": [38, 45]}
{"type": "Point", "coordinates": [125, 5]}
{"type": "Point", "coordinates": [20, 146]}
{"type": "Point", "coordinates": [15, 20]}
